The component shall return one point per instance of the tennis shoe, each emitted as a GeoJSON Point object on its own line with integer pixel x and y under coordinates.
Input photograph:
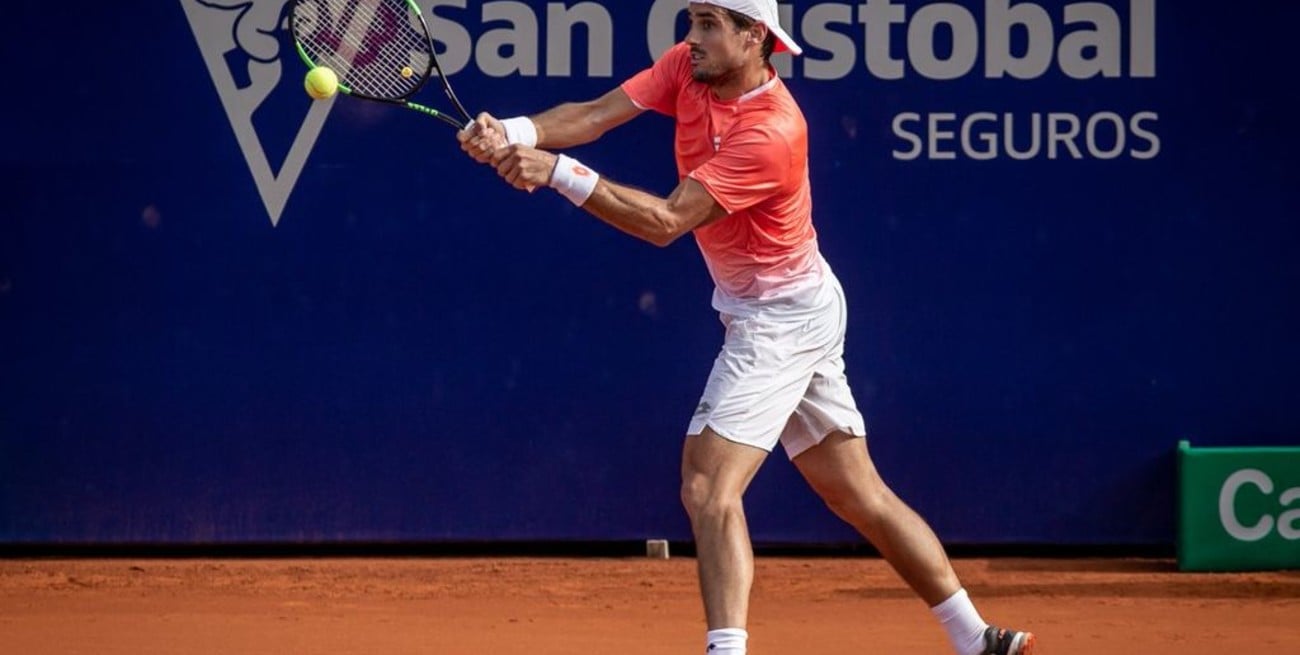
{"type": "Point", "coordinates": [999, 641]}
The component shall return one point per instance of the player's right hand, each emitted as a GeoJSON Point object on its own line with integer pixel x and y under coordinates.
{"type": "Point", "coordinates": [482, 137]}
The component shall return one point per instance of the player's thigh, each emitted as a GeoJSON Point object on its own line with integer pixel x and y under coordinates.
{"type": "Point", "coordinates": [840, 470]}
{"type": "Point", "coordinates": [716, 468]}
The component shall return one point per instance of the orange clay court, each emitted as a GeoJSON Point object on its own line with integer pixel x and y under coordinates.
{"type": "Point", "coordinates": [628, 606]}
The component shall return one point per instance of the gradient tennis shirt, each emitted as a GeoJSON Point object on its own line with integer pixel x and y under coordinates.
{"type": "Point", "coordinates": [751, 154]}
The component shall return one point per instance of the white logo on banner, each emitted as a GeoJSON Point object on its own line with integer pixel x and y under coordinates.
{"type": "Point", "coordinates": [224, 26]}
{"type": "Point", "coordinates": [1288, 523]}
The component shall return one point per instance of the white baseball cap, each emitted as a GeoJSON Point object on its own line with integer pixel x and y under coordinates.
{"type": "Point", "coordinates": [763, 11]}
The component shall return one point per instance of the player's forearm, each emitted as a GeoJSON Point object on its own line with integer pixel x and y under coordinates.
{"type": "Point", "coordinates": [567, 125]}
{"type": "Point", "coordinates": [640, 214]}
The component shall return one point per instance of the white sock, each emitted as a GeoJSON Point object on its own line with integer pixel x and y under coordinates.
{"type": "Point", "coordinates": [726, 641]}
{"type": "Point", "coordinates": [963, 624]}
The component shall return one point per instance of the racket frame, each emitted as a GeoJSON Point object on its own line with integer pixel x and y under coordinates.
{"type": "Point", "coordinates": [403, 101]}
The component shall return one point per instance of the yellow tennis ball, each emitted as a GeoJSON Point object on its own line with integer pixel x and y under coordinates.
{"type": "Point", "coordinates": [407, 72]}
{"type": "Point", "coordinates": [321, 83]}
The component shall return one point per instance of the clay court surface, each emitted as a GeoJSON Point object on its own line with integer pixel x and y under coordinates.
{"type": "Point", "coordinates": [815, 606]}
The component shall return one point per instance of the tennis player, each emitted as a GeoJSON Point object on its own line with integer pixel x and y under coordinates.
{"type": "Point", "coordinates": [742, 160]}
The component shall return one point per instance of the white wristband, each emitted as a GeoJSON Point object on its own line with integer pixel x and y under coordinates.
{"type": "Point", "coordinates": [573, 180]}
{"type": "Point", "coordinates": [520, 130]}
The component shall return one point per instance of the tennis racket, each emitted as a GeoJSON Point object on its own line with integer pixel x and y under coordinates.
{"type": "Point", "coordinates": [381, 50]}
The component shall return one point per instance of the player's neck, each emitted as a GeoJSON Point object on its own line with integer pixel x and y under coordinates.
{"type": "Point", "coordinates": [742, 81]}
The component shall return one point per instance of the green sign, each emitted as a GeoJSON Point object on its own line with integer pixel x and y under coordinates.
{"type": "Point", "coordinates": [1239, 508]}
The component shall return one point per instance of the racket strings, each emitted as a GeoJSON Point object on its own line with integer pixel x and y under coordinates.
{"type": "Point", "coordinates": [378, 48]}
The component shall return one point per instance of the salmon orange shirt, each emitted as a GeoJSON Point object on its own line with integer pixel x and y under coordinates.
{"type": "Point", "coordinates": [751, 154]}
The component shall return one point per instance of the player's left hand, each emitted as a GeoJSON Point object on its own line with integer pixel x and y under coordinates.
{"type": "Point", "coordinates": [523, 167]}
{"type": "Point", "coordinates": [481, 137]}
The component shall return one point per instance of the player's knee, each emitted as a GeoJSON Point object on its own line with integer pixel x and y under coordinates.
{"type": "Point", "coordinates": [857, 504]}
{"type": "Point", "coordinates": [704, 500]}
{"type": "Point", "coordinates": [695, 493]}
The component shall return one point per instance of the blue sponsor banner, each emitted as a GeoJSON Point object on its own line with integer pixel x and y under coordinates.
{"type": "Point", "coordinates": [1067, 233]}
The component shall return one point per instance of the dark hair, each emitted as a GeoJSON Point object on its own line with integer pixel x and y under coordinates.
{"type": "Point", "coordinates": [744, 22]}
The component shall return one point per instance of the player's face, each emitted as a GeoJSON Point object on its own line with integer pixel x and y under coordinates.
{"type": "Point", "coordinates": [718, 48]}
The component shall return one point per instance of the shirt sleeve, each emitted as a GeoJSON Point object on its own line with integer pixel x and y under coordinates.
{"type": "Point", "coordinates": [750, 166]}
{"type": "Point", "coordinates": [657, 87]}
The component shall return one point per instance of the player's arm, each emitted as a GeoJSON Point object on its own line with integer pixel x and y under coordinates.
{"type": "Point", "coordinates": [638, 213]}
{"type": "Point", "coordinates": [649, 217]}
{"type": "Point", "coordinates": [576, 123]}
{"type": "Point", "coordinates": [564, 126]}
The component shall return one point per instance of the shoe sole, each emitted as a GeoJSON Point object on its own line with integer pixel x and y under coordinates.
{"type": "Point", "coordinates": [1023, 644]}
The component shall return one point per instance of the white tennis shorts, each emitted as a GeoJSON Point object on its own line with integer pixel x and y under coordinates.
{"type": "Point", "coordinates": [780, 377]}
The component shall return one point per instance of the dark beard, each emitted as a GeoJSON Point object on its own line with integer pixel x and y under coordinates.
{"type": "Point", "coordinates": [712, 78]}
